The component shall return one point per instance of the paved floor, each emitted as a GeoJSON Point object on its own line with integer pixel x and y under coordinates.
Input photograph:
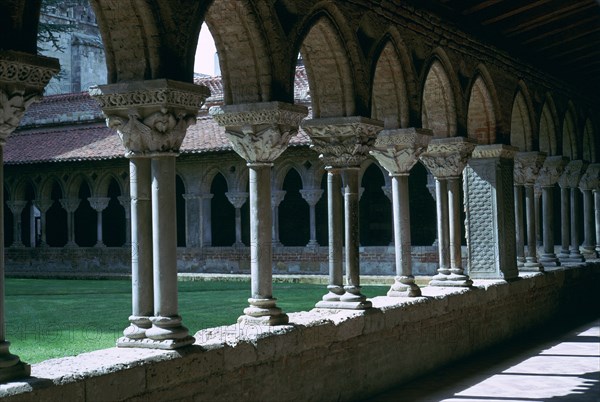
{"type": "Point", "coordinates": [560, 364]}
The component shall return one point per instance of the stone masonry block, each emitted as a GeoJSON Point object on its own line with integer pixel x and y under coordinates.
{"type": "Point", "coordinates": [116, 386]}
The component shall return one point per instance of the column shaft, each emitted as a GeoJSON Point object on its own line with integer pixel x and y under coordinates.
{"type": "Point", "coordinates": [597, 208]}
{"type": "Point", "coordinates": [519, 227]}
{"type": "Point", "coordinates": [441, 194]}
{"type": "Point", "coordinates": [574, 253]}
{"type": "Point", "coordinates": [548, 257]}
{"type": "Point", "coordinates": [238, 227]}
{"type": "Point", "coordinates": [565, 222]}
{"type": "Point", "coordinates": [206, 220]}
{"type": "Point", "coordinates": [262, 309]}
{"type": "Point", "coordinates": [531, 258]}
{"type": "Point", "coordinates": [588, 223]}
{"type": "Point", "coordinates": [166, 323]}
{"type": "Point", "coordinates": [142, 297]}
{"type": "Point", "coordinates": [313, 225]}
{"type": "Point", "coordinates": [454, 224]}
{"type": "Point", "coordinates": [99, 229]}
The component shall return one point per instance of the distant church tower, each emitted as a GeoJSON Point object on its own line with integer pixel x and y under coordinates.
{"type": "Point", "coordinates": [80, 52]}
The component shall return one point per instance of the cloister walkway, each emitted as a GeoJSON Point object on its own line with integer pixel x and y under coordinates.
{"type": "Point", "coordinates": [558, 363]}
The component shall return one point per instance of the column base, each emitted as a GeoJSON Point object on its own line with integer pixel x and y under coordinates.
{"type": "Point", "coordinates": [573, 258]}
{"type": "Point", "coordinates": [404, 286]}
{"type": "Point", "coordinates": [334, 294]}
{"type": "Point", "coordinates": [167, 333]}
{"type": "Point", "coordinates": [549, 260]}
{"type": "Point", "coordinates": [532, 266]}
{"type": "Point", "coordinates": [312, 244]}
{"type": "Point", "coordinates": [451, 280]}
{"type": "Point", "coordinates": [263, 312]}
{"type": "Point", "coordinates": [11, 367]}
{"type": "Point", "coordinates": [520, 261]}
{"type": "Point", "coordinates": [238, 245]}
{"type": "Point", "coordinates": [147, 343]}
{"type": "Point", "coordinates": [588, 252]}
{"type": "Point", "coordinates": [137, 327]}
{"type": "Point", "coordinates": [563, 254]}
{"type": "Point", "coordinates": [100, 245]}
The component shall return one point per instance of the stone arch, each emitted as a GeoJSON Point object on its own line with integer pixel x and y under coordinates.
{"type": "Point", "coordinates": [390, 102]}
{"type": "Point", "coordinates": [160, 44]}
{"type": "Point", "coordinates": [46, 188]}
{"type": "Point", "coordinates": [548, 128]}
{"type": "Point", "coordinates": [438, 98]}
{"type": "Point", "coordinates": [244, 54]}
{"type": "Point", "coordinates": [328, 64]}
{"type": "Point", "coordinates": [521, 126]}
{"type": "Point", "coordinates": [569, 133]}
{"type": "Point", "coordinates": [21, 186]}
{"type": "Point", "coordinates": [74, 183]}
{"type": "Point", "coordinates": [589, 146]}
{"type": "Point", "coordinates": [209, 176]}
{"type": "Point", "coordinates": [282, 170]}
{"type": "Point", "coordinates": [101, 187]}
{"type": "Point", "coordinates": [481, 112]}
{"type": "Point", "coordinates": [366, 164]}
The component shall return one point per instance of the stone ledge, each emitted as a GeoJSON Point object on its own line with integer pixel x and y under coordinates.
{"type": "Point", "coordinates": [321, 350]}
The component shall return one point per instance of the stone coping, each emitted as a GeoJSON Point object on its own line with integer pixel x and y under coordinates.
{"type": "Point", "coordinates": [223, 355]}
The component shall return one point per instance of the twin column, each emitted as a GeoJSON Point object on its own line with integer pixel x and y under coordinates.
{"type": "Point", "coordinates": [151, 118]}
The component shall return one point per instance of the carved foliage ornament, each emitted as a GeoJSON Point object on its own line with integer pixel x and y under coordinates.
{"type": "Point", "coordinates": [447, 157]}
{"type": "Point", "coordinates": [572, 174]}
{"type": "Point", "coordinates": [551, 170]}
{"type": "Point", "coordinates": [527, 167]}
{"type": "Point", "coordinates": [398, 150]}
{"type": "Point", "coordinates": [260, 132]}
{"type": "Point", "coordinates": [345, 143]}
{"type": "Point", "coordinates": [591, 179]}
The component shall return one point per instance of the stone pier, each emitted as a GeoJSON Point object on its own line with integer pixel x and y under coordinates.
{"type": "Point", "coordinates": [569, 185]}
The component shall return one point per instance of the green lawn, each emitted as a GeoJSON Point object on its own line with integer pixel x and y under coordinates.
{"type": "Point", "coordinates": [47, 318]}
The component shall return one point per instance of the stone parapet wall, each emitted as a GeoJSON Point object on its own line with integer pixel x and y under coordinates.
{"type": "Point", "coordinates": [226, 260]}
{"type": "Point", "coordinates": [322, 351]}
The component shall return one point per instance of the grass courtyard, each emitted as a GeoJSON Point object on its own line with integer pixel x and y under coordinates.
{"type": "Point", "coordinates": [48, 318]}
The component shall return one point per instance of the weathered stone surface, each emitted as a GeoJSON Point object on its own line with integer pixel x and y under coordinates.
{"type": "Point", "coordinates": [447, 157]}
{"type": "Point", "coordinates": [527, 167]}
{"type": "Point", "coordinates": [551, 170]}
{"type": "Point", "coordinates": [398, 150]}
{"type": "Point", "coordinates": [572, 174]}
{"type": "Point", "coordinates": [591, 178]}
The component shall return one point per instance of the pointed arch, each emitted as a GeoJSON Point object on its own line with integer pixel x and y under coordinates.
{"type": "Point", "coordinates": [102, 184]}
{"type": "Point", "coordinates": [389, 97]}
{"type": "Point", "coordinates": [438, 104]}
{"type": "Point", "coordinates": [589, 146]}
{"type": "Point", "coordinates": [481, 112]}
{"type": "Point", "coordinates": [548, 128]}
{"type": "Point", "coordinates": [521, 128]}
{"type": "Point", "coordinates": [328, 67]}
{"type": "Point", "coordinates": [23, 186]}
{"type": "Point", "coordinates": [244, 56]}
{"type": "Point", "coordinates": [74, 184]}
{"type": "Point", "coordinates": [569, 133]}
{"type": "Point", "coordinates": [282, 170]}
{"type": "Point", "coordinates": [209, 176]}
{"type": "Point", "coordinates": [48, 185]}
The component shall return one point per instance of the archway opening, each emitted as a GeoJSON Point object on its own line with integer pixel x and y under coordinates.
{"type": "Point", "coordinates": [294, 226]}
{"type": "Point", "coordinates": [481, 119]}
{"type": "Point", "coordinates": [438, 110]}
{"type": "Point", "coordinates": [520, 124]}
{"type": "Point", "coordinates": [390, 99]}
{"type": "Point", "coordinates": [113, 218]}
{"type": "Point", "coordinates": [85, 219]}
{"type": "Point", "coordinates": [56, 219]}
{"type": "Point", "coordinates": [222, 214]}
{"type": "Point", "coordinates": [375, 213]}
{"type": "Point", "coordinates": [423, 229]}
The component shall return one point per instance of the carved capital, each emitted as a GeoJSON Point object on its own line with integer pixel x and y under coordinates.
{"type": "Point", "coordinates": [311, 196]}
{"type": "Point", "coordinates": [125, 202]}
{"type": "Point", "coordinates": [342, 141]}
{"type": "Point", "coordinates": [150, 116]}
{"type": "Point", "coordinates": [527, 167]}
{"type": "Point", "coordinates": [447, 157]}
{"type": "Point", "coordinates": [99, 204]}
{"type": "Point", "coordinates": [237, 199]}
{"type": "Point", "coordinates": [259, 132]}
{"type": "Point", "coordinates": [591, 178]}
{"type": "Point", "coordinates": [23, 78]}
{"type": "Point", "coordinates": [494, 151]}
{"type": "Point", "coordinates": [572, 174]}
{"type": "Point", "coordinates": [43, 205]}
{"type": "Point", "coordinates": [16, 206]}
{"type": "Point", "coordinates": [70, 204]}
{"type": "Point", "coordinates": [398, 150]}
{"type": "Point", "coordinates": [276, 197]}
{"type": "Point", "coordinates": [551, 170]}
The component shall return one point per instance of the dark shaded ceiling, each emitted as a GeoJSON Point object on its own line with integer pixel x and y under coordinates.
{"type": "Point", "coordinates": [558, 36]}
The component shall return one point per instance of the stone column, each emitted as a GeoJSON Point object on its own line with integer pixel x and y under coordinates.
{"type": "Point", "coordinates": [398, 150]}
{"type": "Point", "coordinates": [446, 159]}
{"type": "Point", "coordinates": [99, 204]}
{"type": "Point", "coordinates": [192, 219]}
{"type": "Point", "coordinates": [519, 225]}
{"type": "Point", "coordinates": [70, 205]}
{"type": "Point", "coordinates": [597, 208]}
{"type": "Point", "coordinates": [237, 199]}
{"type": "Point", "coordinates": [259, 133]}
{"type": "Point", "coordinates": [527, 168]}
{"type": "Point", "coordinates": [276, 197]}
{"type": "Point", "coordinates": [43, 205]}
{"type": "Point", "coordinates": [548, 177]}
{"type": "Point", "coordinates": [489, 206]}
{"type": "Point", "coordinates": [335, 211]}
{"type": "Point", "coordinates": [537, 197]}
{"type": "Point", "coordinates": [126, 204]}
{"type": "Point", "coordinates": [569, 184]}
{"type": "Point", "coordinates": [312, 197]}
{"type": "Point", "coordinates": [343, 144]}
{"type": "Point", "coordinates": [589, 183]}
{"type": "Point", "coordinates": [206, 224]}
{"type": "Point", "coordinates": [16, 207]}
{"type": "Point", "coordinates": [151, 118]}
{"type": "Point", "coordinates": [23, 78]}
